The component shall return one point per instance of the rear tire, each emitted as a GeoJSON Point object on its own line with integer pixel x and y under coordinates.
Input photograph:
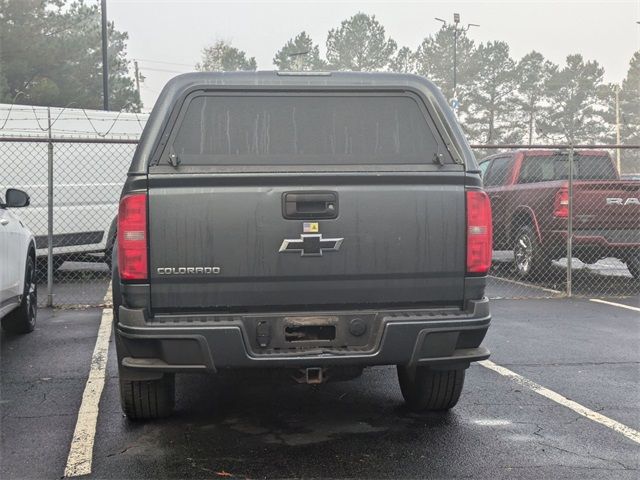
{"type": "Point", "coordinates": [424, 389]}
{"type": "Point", "coordinates": [529, 258]}
{"type": "Point", "coordinates": [23, 318]}
{"type": "Point", "coordinates": [148, 399]}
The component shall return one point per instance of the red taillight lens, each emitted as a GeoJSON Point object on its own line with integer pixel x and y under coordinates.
{"type": "Point", "coordinates": [132, 237]}
{"type": "Point", "coordinates": [479, 232]}
{"type": "Point", "coordinates": [561, 205]}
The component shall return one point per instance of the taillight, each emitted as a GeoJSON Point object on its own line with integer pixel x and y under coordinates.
{"type": "Point", "coordinates": [132, 237]}
{"type": "Point", "coordinates": [561, 204]}
{"type": "Point", "coordinates": [479, 232]}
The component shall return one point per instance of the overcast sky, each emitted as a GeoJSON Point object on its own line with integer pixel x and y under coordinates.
{"type": "Point", "coordinates": [167, 37]}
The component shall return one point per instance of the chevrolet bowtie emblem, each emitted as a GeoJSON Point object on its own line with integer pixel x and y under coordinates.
{"type": "Point", "coordinates": [311, 245]}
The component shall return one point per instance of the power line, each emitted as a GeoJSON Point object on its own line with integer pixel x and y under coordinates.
{"type": "Point", "coordinates": [161, 70]}
{"type": "Point", "coordinates": [165, 62]}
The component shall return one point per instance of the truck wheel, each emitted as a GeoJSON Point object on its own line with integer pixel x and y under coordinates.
{"type": "Point", "coordinates": [426, 389]}
{"type": "Point", "coordinates": [633, 266]}
{"type": "Point", "coordinates": [528, 257]}
{"type": "Point", "coordinates": [147, 399]}
{"type": "Point", "coordinates": [23, 318]}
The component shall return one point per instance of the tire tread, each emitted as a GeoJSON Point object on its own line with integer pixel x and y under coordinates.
{"type": "Point", "coordinates": [431, 390]}
{"type": "Point", "coordinates": [18, 320]}
{"type": "Point", "coordinates": [148, 399]}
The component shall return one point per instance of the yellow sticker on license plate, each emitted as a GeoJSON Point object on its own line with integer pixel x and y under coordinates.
{"type": "Point", "coordinates": [310, 227]}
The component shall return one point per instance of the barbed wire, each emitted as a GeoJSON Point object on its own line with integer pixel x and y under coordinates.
{"type": "Point", "coordinates": [85, 116]}
{"type": "Point", "coordinates": [102, 135]}
{"type": "Point", "coordinates": [10, 108]}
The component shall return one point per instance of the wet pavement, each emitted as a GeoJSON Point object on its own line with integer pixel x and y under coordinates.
{"type": "Point", "coordinates": [248, 426]}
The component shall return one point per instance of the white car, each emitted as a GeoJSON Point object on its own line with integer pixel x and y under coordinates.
{"type": "Point", "coordinates": [18, 287]}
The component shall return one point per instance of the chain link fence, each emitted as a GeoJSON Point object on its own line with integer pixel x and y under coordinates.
{"type": "Point", "coordinates": [547, 201]}
{"type": "Point", "coordinates": [566, 219]}
{"type": "Point", "coordinates": [74, 187]}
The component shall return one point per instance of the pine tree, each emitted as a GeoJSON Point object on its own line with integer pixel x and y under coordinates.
{"type": "Point", "coordinates": [532, 75]}
{"type": "Point", "coordinates": [489, 101]}
{"type": "Point", "coordinates": [404, 61]}
{"type": "Point", "coordinates": [575, 106]}
{"type": "Point", "coordinates": [629, 98]}
{"type": "Point", "coordinates": [51, 54]}
{"type": "Point", "coordinates": [360, 44]}
{"type": "Point", "coordinates": [434, 60]}
{"type": "Point", "coordinates": [223, 57]}
{"type": "Point", "coordinates": [292, 55]}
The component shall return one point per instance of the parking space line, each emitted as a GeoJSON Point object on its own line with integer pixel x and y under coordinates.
{"type": "Point", "coordinates": [81, 451]}
{"type": "Point", "coordinates": [628, 432]}
{"type": "Point", "coordinates": [614, 304]}
{"type": "Point", "coordinates": [530, 285]}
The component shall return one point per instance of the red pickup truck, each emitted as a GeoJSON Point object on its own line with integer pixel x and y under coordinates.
{"type": "Point", "coordinates": [529, 194]}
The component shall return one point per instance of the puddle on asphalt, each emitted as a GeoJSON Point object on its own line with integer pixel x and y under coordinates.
{"type": "Point", "coordinates": [306, 433]}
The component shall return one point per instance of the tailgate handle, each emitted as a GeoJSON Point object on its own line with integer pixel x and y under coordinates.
{"type": "Point", "coordinates": [309, 205]}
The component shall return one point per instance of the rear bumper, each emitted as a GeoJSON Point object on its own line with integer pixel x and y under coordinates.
{"type": "Point", "coordinates": [205, 343]}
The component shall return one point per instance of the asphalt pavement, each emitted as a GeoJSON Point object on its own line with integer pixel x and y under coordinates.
{"type": "Point", "coordinates": [248, 426]}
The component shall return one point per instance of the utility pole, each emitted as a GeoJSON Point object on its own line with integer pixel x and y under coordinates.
{"type": "Point", "coordinates": [137, 74]}
{"type": "Point", "coordinates": [105, 59]}
{"type": "Point", "coordinates": [456, 21]}
{"type": "Point", "coordinates": [299, 57]}
{"type": "Point", "coordinates": [618, 128]}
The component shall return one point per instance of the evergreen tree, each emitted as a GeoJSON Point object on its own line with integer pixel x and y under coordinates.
{"type": "Point", "coordinates": [51, 54]}
{"type": "Point", "coordinates": [575, 110]}
{"type": "Point", "coordinates": [629, 97]}
{"type": "Point", "coordinates": [292, 57]}
{"type": "Point", "coordinates": [223, 57]}
{"type": "Point", "coordinates": [360, 44]}
{"type": "Point", "coordinates": [404, 61]}
{"type": "Point", "coordinates": [434, 60]}
{"type": "Point", "coordinates": [532, 75]}
{"type": "Point", "coordinates": [489, 101]}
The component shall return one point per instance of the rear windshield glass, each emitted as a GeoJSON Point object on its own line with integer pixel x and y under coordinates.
{"type": "Point", "coordinates": [304, 130]}
{"type": "Point", "coordinates": [543, 168]}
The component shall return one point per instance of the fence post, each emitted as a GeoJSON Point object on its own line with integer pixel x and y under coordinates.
{"type": "Point", "coordinates": [49, 215]}
{"type": "Point", "coordinates": [570, 223]}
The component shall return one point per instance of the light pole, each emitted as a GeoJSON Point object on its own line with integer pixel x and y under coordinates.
{"type": "Point", "coordinates": [456, 30]}
{"type": "Point", "coordinates": [105, 57]}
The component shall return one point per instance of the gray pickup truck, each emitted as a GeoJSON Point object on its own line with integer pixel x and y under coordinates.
{"type": "Point", "coordinates": [315, 223]}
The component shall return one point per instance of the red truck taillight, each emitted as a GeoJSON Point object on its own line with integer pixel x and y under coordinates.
{"type": "Point", "coordinates": [132, 237]}
{"type": "Point", "coordinates": [479, 232]}
{"type": "Point", "coordinates": [561, 204]}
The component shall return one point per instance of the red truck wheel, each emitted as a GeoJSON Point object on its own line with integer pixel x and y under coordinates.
{"type": "Point", "coordinates": [529, 258]}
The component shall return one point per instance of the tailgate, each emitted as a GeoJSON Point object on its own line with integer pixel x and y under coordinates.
{"type": "Point", "coordinates": [222, 244]}
{"type": "Point", "coordinates": [609, 207]}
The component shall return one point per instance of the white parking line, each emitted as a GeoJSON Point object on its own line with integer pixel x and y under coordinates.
{"type": "Point", "coordinates": [530, 285]}
{"type": "Point", "coordinates": [628, 432]}
{"type": "Point", "coordinates": [614, 304]}
{"type": "Point", "coordinates": [81, 452]}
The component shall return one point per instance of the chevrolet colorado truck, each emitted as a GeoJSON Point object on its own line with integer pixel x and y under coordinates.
{"type": "Point", "coordinates": [313, 223]}
{"type": "Point", "coordinates": [529, 194]}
